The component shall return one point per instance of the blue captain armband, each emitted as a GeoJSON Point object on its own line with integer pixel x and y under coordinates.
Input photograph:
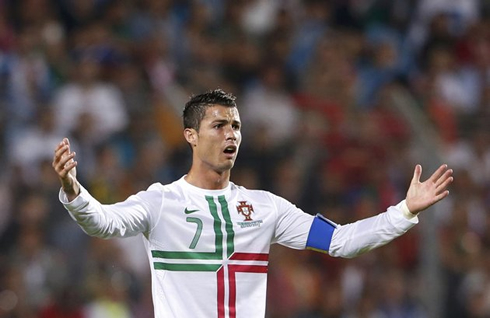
{"type": "Point", "coordinates": [320, 235]}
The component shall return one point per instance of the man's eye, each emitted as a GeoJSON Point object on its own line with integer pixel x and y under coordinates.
{"type": "Point", "coordinates": [236, 127]}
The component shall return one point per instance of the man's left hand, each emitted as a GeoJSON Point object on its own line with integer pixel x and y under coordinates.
{"type": "Point", "coordinates": [421, 195]}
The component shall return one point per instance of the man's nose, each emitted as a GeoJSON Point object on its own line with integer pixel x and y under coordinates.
{"type": "Point", "coordinates": [231, 133]}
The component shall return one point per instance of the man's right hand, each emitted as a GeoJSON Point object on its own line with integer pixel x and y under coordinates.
{"type": "Point", "coordinates": [65, 166]}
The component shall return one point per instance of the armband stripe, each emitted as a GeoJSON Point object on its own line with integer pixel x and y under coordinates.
{"type": "Point", "coordinates": [320, 234]}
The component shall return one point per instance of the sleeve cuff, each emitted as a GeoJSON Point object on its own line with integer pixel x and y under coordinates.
{"type": "Point", "coordinates": [64, 199]}
{"type": "Point", "coordinates": [77, 204]}
{"type": "Point", "coordinates": [405, 211]}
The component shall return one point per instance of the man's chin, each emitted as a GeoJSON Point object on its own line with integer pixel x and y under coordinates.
{"type": "Point", "coordinates": [227, 165]}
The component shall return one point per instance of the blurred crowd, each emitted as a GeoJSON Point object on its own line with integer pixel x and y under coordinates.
{"type": "Point", "coordinates": [315, 81]}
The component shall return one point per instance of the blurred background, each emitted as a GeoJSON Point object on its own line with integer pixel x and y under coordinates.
{"type": "Point", "coordinates": [339, 100]}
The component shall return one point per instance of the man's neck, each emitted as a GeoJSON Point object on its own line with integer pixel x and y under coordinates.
{"type": "Point", "coordinates": [209, 180]}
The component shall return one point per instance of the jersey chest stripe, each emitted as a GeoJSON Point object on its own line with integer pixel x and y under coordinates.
{"type": "Point", "coordinates": [220, 295]}
{"type": "Point", "coordinates": [218, 239]}
{"type": "Point", "coordinates": [250, 257]}
{"type": "Point", "coordinates": [187, 267]}
{"type": "Point", "coordinates": [186, 255]}
{"type": "Point", "coordinates": [230, 234]}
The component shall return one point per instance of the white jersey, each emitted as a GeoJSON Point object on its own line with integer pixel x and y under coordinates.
{"type": "Point", "coordinates": [209, 249]}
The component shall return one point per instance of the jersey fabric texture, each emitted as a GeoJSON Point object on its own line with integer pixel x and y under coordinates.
{"type": "Point", "coordinates": [209, 249]}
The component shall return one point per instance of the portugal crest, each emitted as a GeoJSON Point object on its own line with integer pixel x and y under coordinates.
{"type": "Point", "coordinates": [245, 209]}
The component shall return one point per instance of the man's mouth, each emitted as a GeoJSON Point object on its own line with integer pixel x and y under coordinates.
{"type": "Point", "coordinates": [230, 150]}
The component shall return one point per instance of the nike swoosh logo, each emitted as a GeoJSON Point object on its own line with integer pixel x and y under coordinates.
{"type": "Point", "coordinates": [186, 211]}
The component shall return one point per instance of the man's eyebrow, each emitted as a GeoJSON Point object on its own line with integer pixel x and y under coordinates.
{"type": "Point", "coordinates": [224, 121]}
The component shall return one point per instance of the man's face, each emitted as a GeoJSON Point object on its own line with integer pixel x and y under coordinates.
{"type": "Point", "coordinates": [216, 144]}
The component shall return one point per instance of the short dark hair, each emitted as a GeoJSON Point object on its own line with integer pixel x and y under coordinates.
{"type": "Point", "coordinates": [195, 108]}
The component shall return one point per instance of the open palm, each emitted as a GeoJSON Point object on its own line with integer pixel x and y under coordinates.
{"type": "Point", "coordinates": [421, 195]}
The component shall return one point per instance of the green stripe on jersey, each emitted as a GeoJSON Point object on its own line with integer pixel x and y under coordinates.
{"type": "Point", "coordinates": [187, 267]}
{"type": "Point", "coordinates": [185, 255]}
{"type": "Point", "coordinates": [218, 239]}
{"type": "Point", "coordinates": [230, 234]}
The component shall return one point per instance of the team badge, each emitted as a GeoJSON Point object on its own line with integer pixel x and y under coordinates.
{"type": "Point", "coordinates": [245, 209]}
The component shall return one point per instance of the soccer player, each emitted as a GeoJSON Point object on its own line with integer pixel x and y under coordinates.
{"type": "Point", "coordinates": [208, 239]}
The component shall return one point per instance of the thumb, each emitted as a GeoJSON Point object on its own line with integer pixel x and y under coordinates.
{"type": "Point", "coordinates": [416, 174]}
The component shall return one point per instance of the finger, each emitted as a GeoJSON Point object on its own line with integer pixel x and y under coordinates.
{"type": "Point", "coordinates": [447, 174]}
{"type": "Point", "coordinates": [441, 196]}
{"type": "Point", "coordinates": [444, 185]}
{"type": "Point", "coordinates": [64, 142]}
{"type": "Point", "coordinates": [60, 153]}
{"type": "Point", "coordinates": [63, 146]}
{"type": "Point", "coordinates": [416, 174]}
{"type": "Point", "coordinates": [58, 148]}
{"type": "Point", "coordinates": [438, 173]}
{"type": "Point", "coordinates": [65, 161]}
{"type": "Point", "coordinates": [70, 165]}
{"type": "Point", "coordinates": [67, 168]}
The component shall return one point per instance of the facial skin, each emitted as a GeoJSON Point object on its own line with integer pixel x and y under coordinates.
{"type": "Point", "coordinates": [215, 146]}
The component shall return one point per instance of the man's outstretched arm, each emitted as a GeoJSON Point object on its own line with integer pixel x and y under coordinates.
{"type": "Point", "coordinates": [127, 218]}
{"type": "Point", "coordinates": [353, 239]}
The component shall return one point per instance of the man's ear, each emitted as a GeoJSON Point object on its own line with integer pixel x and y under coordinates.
{"type": "Point", "coordinates": [190, 135]}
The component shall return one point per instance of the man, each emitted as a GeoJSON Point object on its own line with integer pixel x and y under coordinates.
{"type": "Point", "coordinates": [208, 239]}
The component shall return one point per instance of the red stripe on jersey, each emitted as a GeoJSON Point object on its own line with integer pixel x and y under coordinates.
{"type": "Point", "coordinates": [250, 256]}
{"type": "Point", "coordinates": [221, 292]}
{"type": "Point", "coordinates": [232, 270]}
